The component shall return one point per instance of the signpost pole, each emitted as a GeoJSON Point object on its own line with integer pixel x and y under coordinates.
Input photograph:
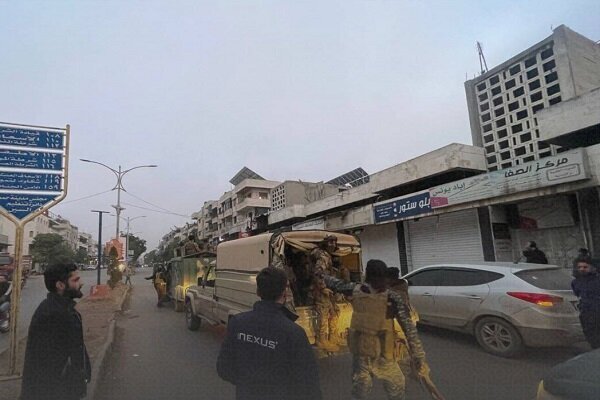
{"type": "Point", "coordinates": [99, 241]}
{"type": "Point", "coordinates": [14, 302]}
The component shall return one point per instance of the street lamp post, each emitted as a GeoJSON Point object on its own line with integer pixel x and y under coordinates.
{"type": "Point", "coordinates": [119, 186]}
{"type": "Point", "coordinates": [99, 240]}
{"type": "Point", "coordinates": [127, 237]}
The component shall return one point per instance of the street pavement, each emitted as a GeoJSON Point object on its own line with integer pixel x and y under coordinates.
{"type": "Point", "coordinates": [32, 295]}
{"type": "Point", "coordinates": [156, 357]}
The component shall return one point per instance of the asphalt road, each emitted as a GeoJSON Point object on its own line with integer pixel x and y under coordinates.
{"type": "Point", "coordinates": [32, 295]}
{"type": "Point", "coordinates": [156, 357]}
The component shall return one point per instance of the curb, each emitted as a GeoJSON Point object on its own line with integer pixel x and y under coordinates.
{"type": "Point", "coordinates": [99, 364]}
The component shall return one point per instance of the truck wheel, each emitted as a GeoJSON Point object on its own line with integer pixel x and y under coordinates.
{"type": "Point", "coordinates": [179, 306]}
{"type": "Point", "coordinates": [498, 337]}
{"type": "Point", "coordinates": [191, 320]}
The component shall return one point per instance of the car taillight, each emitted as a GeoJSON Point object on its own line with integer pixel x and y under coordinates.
{"type": "Point", "coordinates": [544, 300]}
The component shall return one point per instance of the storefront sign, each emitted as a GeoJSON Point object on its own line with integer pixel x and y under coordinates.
{"type": "Point", "coordinates": [401, 207]}
{"type": "Point", "coordinates": [313, 224]}
{"type": "Point", "coordinates": [566, 167]}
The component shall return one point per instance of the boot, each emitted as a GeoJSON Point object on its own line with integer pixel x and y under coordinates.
{"type": "Point", "coordinates": [327, 346]}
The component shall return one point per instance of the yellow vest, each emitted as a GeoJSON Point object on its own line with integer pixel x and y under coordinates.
{"type": "Point", "coordinates": [372, 331]}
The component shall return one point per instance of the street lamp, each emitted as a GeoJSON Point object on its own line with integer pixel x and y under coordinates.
{"type": "Point", "coordinates": [128, 219]}
{"type": "Point", "coordinates": [119, 186]}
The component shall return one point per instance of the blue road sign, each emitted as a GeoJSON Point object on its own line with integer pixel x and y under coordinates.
{"type": "Point", "coordinates": [402, 207]}
{"type": "Point", "coordinates": [30, 159]}
{"type": "Point", "coordinates": [31, 137]}
{"type": "Point", "coordinates": [21, 205]}
{"type": "Point", "coordinates": [29, 181]}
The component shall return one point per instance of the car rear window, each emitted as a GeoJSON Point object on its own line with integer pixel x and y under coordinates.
{"type": "Point", "coordinates": [549, 279]}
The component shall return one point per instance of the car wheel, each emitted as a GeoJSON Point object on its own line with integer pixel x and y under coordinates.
{"type": "Point", "coordinates": [498, 337]}
{"type": "Point", "coordinates": [191, 320]}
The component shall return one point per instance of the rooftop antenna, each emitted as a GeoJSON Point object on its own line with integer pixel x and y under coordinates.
{"type": "Point", "coordinates": [482, 62]}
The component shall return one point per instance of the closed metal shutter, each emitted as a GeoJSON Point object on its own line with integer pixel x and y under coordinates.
{"type": "Point", "coordinates": [447, 238]}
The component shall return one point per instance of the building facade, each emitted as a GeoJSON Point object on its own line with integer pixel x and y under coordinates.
{"type": "Point", "coordinates": [503, 102]}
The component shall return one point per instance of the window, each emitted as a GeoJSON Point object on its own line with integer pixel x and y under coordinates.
{"type": "Point", "coordinates": [555, 100]}
{"type": "Point", "coordinates": [496, 91]}
{"type": "Point", "coordinates": [486, 117]}
{"type": "Point", "coordinates": [503, 144]}
{"type": "Point", "coordinates": [263, 195]}
{"type": "Point", "coordinates": [501, 122]}
{"type": "Point", "coordinates": [498, 101]}
{"type": "Point", "coordinates": [534, 85]}
{"type": "Point", "coordinates": [515, 69]}
{"type": "Point", "coordinates": [491, 159]}
{"type": "Point", "coordinates": [493, 169]}
{"type": "Point", "coordinates": [532, 73]}
{"type": "Point", "coordinates": [551, 77]}
{"type": "Point", "coordinates": [549, 65]}
{"type": "Point", "coordinates": [518, 92]}
{"type": "Point", "coordinates": [499, 111]}
{"type": "Point", "coordinates": [484, 107]}
{"type": "Point", "coordinates": [510, 84]}
{"type": "Point", "coordinates": [513, 106]}
{"type": "Point", "coordinates": [548, 279]}
{"type": "Point", "coordinates": [502, 133]}
{"type": "Point", "coordinates": [522, 114]}
{"type": "Point", "coordinates": [542, 145]}
{"type": "Point", "coordinates": [520, 151]}
{"type": "Point", "coordinates": [487, 128]}
{"type": "Point", "coordinates": [490, 149]}
{"type": "Point", "coordinates": [30, 234]}
{"type": "Point", "coordinates": [431, 277]}
{"type": "Point", "coordinates": [505, 156]}
{"type": "Point", "coordinates": [529, 158]}
{"type": "Point", "coordinates": [553, 89]}
{"type": "Point", "coordinates": [483, 97]}
{"type": "Point", "coordinates": [547, 53]}
{"type": "Point", "coordinates": [494, 80]}
{"type": "Point", "coordinates": [506, 165]}
{"type": "Point", "coordinates": [517, 128]}
{"type": "Point", "coordinates": [536, 108]}
{"type": "Point", "coordinates": [536, 96]}
{"type": "Point", "coordinates": [465, 277]}
{"type": "Point", "coordinates": [529, 62]}
{"type": "Point", "coordinates": [481, 86]}
{"type": "Point", "coordinates": [525, 137]}
{"type": "Point", "coordinates": [488, 138]}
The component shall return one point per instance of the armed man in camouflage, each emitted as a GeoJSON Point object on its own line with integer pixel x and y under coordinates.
{"type": "Point", "coordinates": [190, 246]}
{"type": "Point", "coordinates": [371, 339]}
{"type": "Point", "coordinates": [324, 299]}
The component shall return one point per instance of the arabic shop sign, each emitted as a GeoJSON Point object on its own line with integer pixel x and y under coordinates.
{"type": "Point", "coordinates": [566, 167]}
{"type": "Point", "coordinates": [312, 224]}
{"type": "Point", "coordinates": [32, 168]}
{"type": "Point", "coordinates": [401, 207]}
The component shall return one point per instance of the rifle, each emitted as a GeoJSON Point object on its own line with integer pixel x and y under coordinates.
{"type": "Point", "coordinates": [425, 379]}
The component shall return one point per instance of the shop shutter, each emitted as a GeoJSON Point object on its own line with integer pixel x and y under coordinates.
{"type": "Point", "coordinates": [447, 238]}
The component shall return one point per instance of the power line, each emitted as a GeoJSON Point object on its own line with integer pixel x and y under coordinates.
{"type": "Point", "coordinates": [156, 211]}
{"type": "Point", "coordinates": [151, 204]}
{"type": "Point", "coordinates": [86, 197]}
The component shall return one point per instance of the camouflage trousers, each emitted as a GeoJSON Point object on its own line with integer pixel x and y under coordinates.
{"type": "Point", "coordinates": [364, 369]}
{"type": "Point", "coordinates": [327, 319]}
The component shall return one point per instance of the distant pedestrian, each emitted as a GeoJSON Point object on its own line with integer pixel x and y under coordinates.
{"type": "Point", "coordinates": [265, 354]}
{"type": "Point", "coordinates": [534, 255]}
{"type": "Point", "coordinates": [586, 286]}
{"type": "Point", "coordinates": [128, 273]}
{"type": "Point", "coordinates": [57, 366]}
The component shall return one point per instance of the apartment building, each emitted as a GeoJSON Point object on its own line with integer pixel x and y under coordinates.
{"type": "Point", "coordinates": [503, 102]}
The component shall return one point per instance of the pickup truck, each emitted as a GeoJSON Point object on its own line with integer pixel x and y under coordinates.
{"type": "Point", "coordinates": [232, 288]}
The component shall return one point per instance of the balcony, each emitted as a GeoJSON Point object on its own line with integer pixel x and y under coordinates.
{"type": "Point", "coordinates": [252, 202]}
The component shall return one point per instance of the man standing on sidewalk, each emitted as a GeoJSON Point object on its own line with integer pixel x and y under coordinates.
{"type": "Point", "coordinates": [57, 366]}
{"type": "Point", "coordinates": [586, 286]}
{"type": "Point", "coordinates": [265, 354]}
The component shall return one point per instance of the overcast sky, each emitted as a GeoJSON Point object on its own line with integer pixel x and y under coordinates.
{"type": "Point", "coordinates": [292, 89]}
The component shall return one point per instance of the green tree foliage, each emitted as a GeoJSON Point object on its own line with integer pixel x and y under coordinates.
{"type": "Point", "coordinates": [81, 257]}
{"type": "Point", "coordinates": [50, 248]}
{"type": "Point", "coordinates": [137, 245]}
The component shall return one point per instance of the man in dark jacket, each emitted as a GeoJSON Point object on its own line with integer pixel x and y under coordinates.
{"type": "Point", "coordinates": [586, 286]}
{"type": "Point", "coordinates": [57, 365]}
{"type": "Point", "coordinates": [534, 255]}
{"type": "Point", "coordinates": [265, 354]}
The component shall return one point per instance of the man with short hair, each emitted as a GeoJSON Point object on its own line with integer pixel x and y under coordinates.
{"type": "Point", "coordinates": [586, 286]}
{"type": "Point", "coordinates": [57, 366]}
{"type": "Point", "coordinates": [265, 354]}
{"type": "Point", "coordinates": [533, 254]}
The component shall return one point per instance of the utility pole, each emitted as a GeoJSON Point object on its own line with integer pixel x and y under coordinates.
{"type": "Point", "coordinates": [119, 186]}
{"type": "Point", "coordinates": [99, 241]}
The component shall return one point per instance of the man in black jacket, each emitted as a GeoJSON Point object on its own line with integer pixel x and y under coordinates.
{"type": "Point", "coordinates": [57, 365]}
{"type": "Point", "coordinates": [265, 354]}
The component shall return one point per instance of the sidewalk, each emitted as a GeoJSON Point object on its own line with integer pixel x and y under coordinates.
{"type": "Point", "coordinates": [97, 315]}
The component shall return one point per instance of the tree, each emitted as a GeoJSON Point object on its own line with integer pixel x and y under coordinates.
{"type": "Point", "coordinates": [50, 248]}
{"type": "Point", "coordinates": [137, 245]}
{"type": "Point", "coordinates": [81, 257]}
